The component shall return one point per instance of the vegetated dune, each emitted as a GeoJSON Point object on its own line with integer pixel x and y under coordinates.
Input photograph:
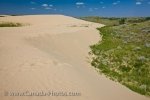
{"type": "Point", "coordinates": [51, 54]}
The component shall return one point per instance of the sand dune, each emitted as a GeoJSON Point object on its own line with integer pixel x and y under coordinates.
{"type": "Point", "coordinates": [51, 54]}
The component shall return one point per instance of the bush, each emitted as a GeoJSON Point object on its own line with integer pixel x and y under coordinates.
{"type": "Point", "coordinates": [10, 24]}
{"type": "Point", "coordinates": [122, 21]}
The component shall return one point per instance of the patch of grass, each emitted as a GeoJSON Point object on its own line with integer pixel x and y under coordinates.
{"type": "Point", "coordinates": [79, 26]}
{"type": "Point", "coordinates": [10, 24]}
{"type": "Point", "coordinates": [123, 55]}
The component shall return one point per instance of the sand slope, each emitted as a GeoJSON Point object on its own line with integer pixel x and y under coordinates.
{"type": "Point", "coordinates": [51, 54]}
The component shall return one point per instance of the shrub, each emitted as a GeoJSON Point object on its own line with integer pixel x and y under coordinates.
{"type": "Point", "coordinates": [10, 24]}
{"type": "Point", "coordinates": [122, 21]}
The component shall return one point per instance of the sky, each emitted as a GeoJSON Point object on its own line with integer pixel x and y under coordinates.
{"type": "Point", "coordinates": [77, 8]}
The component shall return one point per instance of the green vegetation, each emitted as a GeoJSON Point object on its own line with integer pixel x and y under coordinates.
{"type": "Point", "coordinates": [10, 24]}
{"type": "Point", "coordinates": [122, 21]}
{"type": "Point", "coordinates": [123, 55]}
{"type": "Point", "coordinates": [113, 21]}
{"type": "Point", "coordinates": [102, 20]}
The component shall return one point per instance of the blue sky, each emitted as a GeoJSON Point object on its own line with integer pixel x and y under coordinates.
{"type": "Point", "coordinates": [109, 8]}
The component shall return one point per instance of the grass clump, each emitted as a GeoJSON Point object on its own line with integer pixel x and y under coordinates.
{"type": "Point", "coordinates": [123, 55]}
{"type": "Point", "coordinates": [10, 24]}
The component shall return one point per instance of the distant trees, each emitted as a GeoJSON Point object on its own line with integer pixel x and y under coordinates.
{"type": "Point", "coordinates": [147, 18]}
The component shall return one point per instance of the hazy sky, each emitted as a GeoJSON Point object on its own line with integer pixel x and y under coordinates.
{"type": "Point", "coordinates": [77, 7]}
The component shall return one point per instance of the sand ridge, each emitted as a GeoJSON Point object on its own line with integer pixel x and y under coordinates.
{"type": "Point", "coordinates": [51, 54]}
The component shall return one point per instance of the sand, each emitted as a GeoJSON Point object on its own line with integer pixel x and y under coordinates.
{"type": "Point", "coordinates": [51, 55]}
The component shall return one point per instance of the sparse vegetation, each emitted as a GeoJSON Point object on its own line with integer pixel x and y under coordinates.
{"type": "Point", "coordinates": [10, 24]}
{"type": "Point", "coordinates": [123, 55]}
{"type": "Point", "coordinates": [103, 20]}
{"type": "Point", "coordinates": [113, 21]}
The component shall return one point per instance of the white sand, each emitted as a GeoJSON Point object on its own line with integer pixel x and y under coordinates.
{"type": "Point", "coordinates": [51, 54]}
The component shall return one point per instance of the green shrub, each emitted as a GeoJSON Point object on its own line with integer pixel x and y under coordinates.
{"type": "Point", "coordinates": [122, 21]}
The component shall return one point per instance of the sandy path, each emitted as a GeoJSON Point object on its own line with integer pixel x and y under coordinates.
{"type": "Point", "coordinates": [51, 54]}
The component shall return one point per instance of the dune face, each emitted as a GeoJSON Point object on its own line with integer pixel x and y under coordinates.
{"type": "Point", "coordinates": [50, 55]}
